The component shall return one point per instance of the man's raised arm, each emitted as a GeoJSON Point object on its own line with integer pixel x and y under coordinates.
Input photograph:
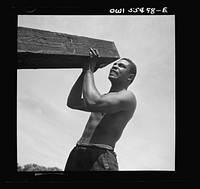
{"type": "Point", "coordinates": [95, 102]}
{"type": "Point", "coordinates": [109, 103]}
{"type": "Point", "coordinates": [74, 100]}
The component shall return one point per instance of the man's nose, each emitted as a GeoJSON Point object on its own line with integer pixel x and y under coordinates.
{"type": "Point", "coordinates": [115, 66]}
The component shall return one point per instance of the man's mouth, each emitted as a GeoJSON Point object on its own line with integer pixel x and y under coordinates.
{"type": "Point", "coordinates": [113, 72]}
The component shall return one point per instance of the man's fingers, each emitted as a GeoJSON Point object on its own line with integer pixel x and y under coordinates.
{"type": "Point", "coordinates": [90, 53]}
{"type": "Point", "coordinates": [94, 52]}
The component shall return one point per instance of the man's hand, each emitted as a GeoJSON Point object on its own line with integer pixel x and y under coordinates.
{"type": "Point", "coordinates": [92, 63]}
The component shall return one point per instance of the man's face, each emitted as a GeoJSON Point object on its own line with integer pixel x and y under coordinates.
{"type": "Point", "coordinates": [119, 70]}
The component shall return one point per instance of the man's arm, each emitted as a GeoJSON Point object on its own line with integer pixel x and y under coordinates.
{"type": "Point", "coordinates": [110, 103]}
{"type": "Point", "coordinates": [74, 100]}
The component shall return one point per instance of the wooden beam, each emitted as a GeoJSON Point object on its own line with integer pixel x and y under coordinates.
{"type": "Point", "coordinates": [45, 49]}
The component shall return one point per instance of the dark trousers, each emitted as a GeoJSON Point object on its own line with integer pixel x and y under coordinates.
{"type": "Point", "coordinates": [91, 158]}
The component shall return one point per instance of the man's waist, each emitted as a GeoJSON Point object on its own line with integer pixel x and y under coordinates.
{"type": "Point", "coordinates": [102, 146]}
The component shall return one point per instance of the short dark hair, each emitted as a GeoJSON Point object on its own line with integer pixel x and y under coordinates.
{"type": "Point", "coordinates": [133, 68]}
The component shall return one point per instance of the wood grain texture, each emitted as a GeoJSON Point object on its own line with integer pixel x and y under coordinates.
{"type": "Point", "coordinates": [45, 49]}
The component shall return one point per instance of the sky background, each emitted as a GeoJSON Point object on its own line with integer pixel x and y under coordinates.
{"type": "Point", "coordinates": [47, 129]}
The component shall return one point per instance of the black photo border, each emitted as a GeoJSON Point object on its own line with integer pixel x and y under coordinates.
{"type": "Point", "coordinates": [183, 154]}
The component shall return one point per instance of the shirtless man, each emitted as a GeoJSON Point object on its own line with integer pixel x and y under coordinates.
{"type": "Point", "coordinates": [109, 115]}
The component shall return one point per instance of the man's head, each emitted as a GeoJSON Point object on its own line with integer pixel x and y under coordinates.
{"type": "Point", "coordinates": [123, 72]}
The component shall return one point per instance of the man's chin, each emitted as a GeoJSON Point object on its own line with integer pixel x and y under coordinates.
{"type": "Point", "coordinates": [112, 77]}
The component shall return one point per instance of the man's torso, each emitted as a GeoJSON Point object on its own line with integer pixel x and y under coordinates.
{"type": "Point", "coordinates": [105, 128]}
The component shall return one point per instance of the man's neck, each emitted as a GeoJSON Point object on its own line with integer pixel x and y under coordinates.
{"type": "Point", "coordinates": [117, 88]}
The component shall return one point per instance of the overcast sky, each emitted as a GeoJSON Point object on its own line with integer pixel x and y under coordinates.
{"type": "Point", "coordinates": [47, 129]}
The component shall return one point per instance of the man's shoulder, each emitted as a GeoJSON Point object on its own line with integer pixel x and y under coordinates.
{"type": "Point", "coordinates": [120, 101]}
{"type": "Point", "coordinates": [125, 96]}
{"type": "Point", "coordinates": [128, 97]}
{"type": "Point", "coordinates": [129, 94]}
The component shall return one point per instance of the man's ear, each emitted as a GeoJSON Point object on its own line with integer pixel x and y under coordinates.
{"type": "Point", "coordinates": [131, 77]}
